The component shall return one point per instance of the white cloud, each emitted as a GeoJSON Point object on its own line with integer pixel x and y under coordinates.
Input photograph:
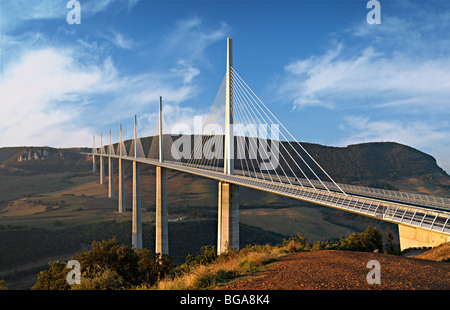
{"type": "Point", "coordinates": [328, 79]}
{"type": "Point", "coordinates": [120, 40]}
{"type": "Point", "coordinates": [189, 41]}
{"type": "Point", "coordinates": [40, 96]}
{"type": "Point", "coordinates": [47, 96]}
{"type": "Point", "coordinates": [395, 76]}
{"type": "Point", "coordinates": [16, 12]}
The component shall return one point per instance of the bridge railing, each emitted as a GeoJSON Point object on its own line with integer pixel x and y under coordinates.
{"type": "Point", "coordinates": [393, 212]}
{"type": "Point", "coordinates": [416, 216]}
{"type": "Point", "coordinates": [426, 200]}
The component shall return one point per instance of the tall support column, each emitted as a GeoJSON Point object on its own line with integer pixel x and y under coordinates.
{"type": "Point", "coordinates": [110, 170]}
{"type": "Point", "coordinates": [228, 221]}
{"type": "Point", "coordinates": [102, 163]}
{"type": "Point", "coordinates": [121, 192]}
{"type": "Point", "coordinates": [229, 136]}
{"type": "Point", "coordinates": [162, 243]}
{"type": "Point", "coordinates": [93, 155]}
{"type": "Point", "coordinates": [228, 209]}
{"type": "Point", "coordinates": [136, 232]}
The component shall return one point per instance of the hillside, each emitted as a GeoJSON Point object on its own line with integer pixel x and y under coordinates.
{"type": "Point", "coordinates": [441, 252]}
{"type": "Point", "coordinates": [53, 193]}
{"type": "Point", "coordinates": [345, 270]}
{"type": "Point", "coordinates": [369, 164]}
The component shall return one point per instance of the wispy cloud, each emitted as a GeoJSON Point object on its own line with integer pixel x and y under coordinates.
{"type": "Point", "coordinates": [334, 79]}
{"type": "Point", "coordinates": [119, 40]}
{"type": "Point", "coordinates": [15, 13]}
{"type": "Point", "coordinates": [393, 79]}
{"type": "Point", "coordinates": [189, 40]}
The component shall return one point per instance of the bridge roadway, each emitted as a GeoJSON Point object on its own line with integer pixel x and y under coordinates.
{"type": "Point", "coordinates": [402, 211]}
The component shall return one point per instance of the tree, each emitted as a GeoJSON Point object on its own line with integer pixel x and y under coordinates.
{"type": "Point", "coordinates": [3, 285]}
{"type": "Point", "coordinates": [54, 278]}
{"type": "Point", "coordinates": [367, 241]}
{"type": "Point", "coordinates": [108, 265]}
{"type": "Point", "coordinates": [110, 255]}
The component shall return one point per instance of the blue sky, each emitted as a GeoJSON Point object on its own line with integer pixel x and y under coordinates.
{"type": "Point", "coordinates": [328, 75]}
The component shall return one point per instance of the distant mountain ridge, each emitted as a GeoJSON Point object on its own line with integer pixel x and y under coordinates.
{"type": "Point", "coordinates": [366, 163]}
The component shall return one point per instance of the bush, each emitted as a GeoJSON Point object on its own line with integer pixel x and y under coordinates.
{"type": "Point", "coordinates": [295, 243]}
{"type": "Point", "coordinates": [102, 280]}
{"type": "Point", "coordinates": [108, 265]}
{"type": "Point", "coordinates": [54, 278]}
{"type": "Point", "coordinates": [209, 255]}
{"type": "Point", "coordinates": [367, 241]}
{"type": "Point", "coordinates": [2, 285]}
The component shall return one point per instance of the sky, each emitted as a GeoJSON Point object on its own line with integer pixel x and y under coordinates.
{"type": "Point", "coordinates": [329, 75]}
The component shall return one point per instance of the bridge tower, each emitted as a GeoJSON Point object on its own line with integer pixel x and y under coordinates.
{"type": "Point", "coordinates": [136, 231]}
{"type": "Point", "coordinates": [110, 170]}
{"type": "Point", "coordinates": [102, 163]}
{"type": "Point", "coordinates": [162, 243]}
{"type": "Point", "coordinates": [121, 193]}
{"type": "Point", "coordinates": [93, 156]}
{"type": "Point", "coordinates": [228, 200]}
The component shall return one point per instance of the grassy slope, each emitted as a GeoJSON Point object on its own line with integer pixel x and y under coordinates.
{"type": "Point", "coordinates": [62, 199]}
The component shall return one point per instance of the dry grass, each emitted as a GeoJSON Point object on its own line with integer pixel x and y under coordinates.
{"type": "Point", "coordinates": [441, 252]}
{"type": "Point", "coordinates": [226, 267]}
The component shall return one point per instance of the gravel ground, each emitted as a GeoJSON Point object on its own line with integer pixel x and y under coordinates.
{"type": "Point", "coordinates": [345, 270]}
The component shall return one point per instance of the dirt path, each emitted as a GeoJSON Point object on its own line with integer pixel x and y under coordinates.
{"type": "Point", "coordinates": [345, 270]}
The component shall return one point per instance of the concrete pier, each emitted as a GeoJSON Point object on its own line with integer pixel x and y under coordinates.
{"type": "Point", "coordinates": [121, 192]}
{"type": "Point", "coordinates": [110, 170]}
{"type": "Point", "coordinates": [228, 217]}
{"type": "Point", "coordinates": [94, 168]}
{"type": "Point", "coordinates": [228, 203]}
{"type": "Point", "coordinates": [162, 243]}
{"type": "Point", "coordinates": [136, 231]}
{"type": "Point", "coordinates": [102, 170]}
{"type": "Point", "coordinates": [102, 163]}
{"type": "Point", "coordinates": [415, 237]}
{"type": "Point", "coordinates": [110, 178]}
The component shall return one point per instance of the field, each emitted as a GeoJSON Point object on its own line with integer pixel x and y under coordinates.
{"type": "Point", "coordinates": [51, 203]}
{"type": "Point", "coordinates": [56, 214]}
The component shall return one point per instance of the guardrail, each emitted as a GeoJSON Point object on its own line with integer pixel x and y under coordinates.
{"type": "Point", "coordinates": [435, 220]}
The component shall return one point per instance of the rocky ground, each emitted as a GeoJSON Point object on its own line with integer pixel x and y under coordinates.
{"type": "Point", "coordinates": [345, 270]}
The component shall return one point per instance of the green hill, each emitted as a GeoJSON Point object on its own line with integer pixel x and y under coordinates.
{"type": "Point", "coordinates": [370, 164]}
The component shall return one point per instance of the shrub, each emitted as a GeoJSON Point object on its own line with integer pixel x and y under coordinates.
{"type": "Point", "coordinates": [295, 243]}
{"type": "Point", "coordinates": [108, 265]}
{"type": "Point", "coordinates": [209, 255]}
{"type": "Point", "coordinates": [54, 278]}
{"type": "Point", "coordinates": [367, 241]}
{"type": "Point", "coordinates": [3, 285]}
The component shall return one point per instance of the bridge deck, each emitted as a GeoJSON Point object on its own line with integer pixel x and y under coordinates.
{"type": "Point", "coordinates": [399, 209]}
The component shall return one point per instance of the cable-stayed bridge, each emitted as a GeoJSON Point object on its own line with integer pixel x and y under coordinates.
{"type": "Point", "coordinates": [242, 143]}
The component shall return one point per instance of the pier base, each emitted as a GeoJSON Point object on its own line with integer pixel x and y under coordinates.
{"type": "Point", "coordinates": [228, 217]}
